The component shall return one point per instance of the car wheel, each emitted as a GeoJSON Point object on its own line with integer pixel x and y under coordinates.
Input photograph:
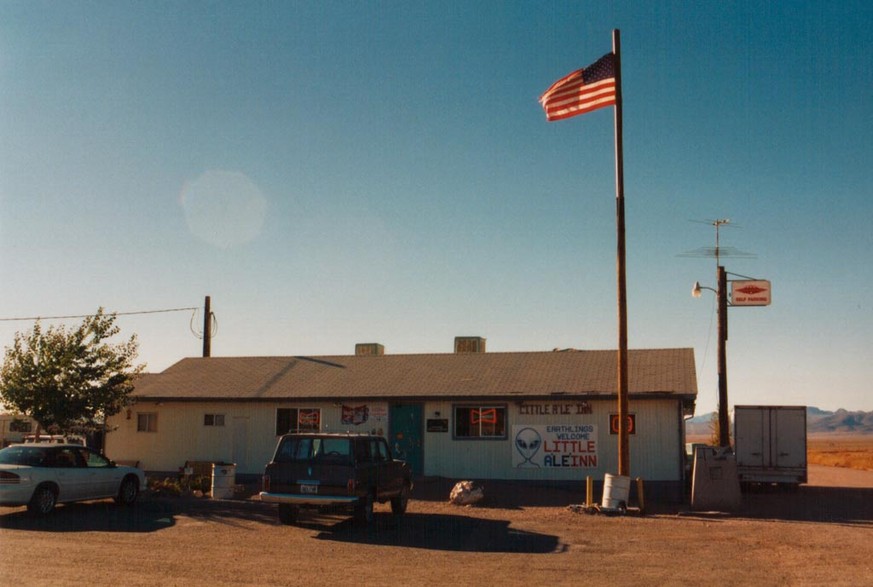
{"type": "Point", "coordinates": [43, 501]}
{"type": "Point", "coordinates": [128, 492]}
{"type": "Point", "coordinates": [399, 503]}
{"type": "Point", "coordinates": [288, 513]}
{"type": "Point", "coordinates": [364, 510]}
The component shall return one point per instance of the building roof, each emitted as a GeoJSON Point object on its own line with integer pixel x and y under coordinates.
{"type": "Point", "coordinates": [651, 372]}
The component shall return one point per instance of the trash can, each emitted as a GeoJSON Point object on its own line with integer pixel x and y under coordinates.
{"type": "Point", "coordinates": [616, 490]}
{"type": "Point", "coordinates": [223, 480]}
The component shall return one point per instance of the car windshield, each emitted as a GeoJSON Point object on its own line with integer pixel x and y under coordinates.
{"type": "Point", "coordinates": [296, 449]}
{"type": "Point", "coordinates": [31, 456]}
{"type": "Point", "coordinates": [94, 460]}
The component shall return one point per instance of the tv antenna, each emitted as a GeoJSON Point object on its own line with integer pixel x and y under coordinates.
{"type": "Point", "coordinates": [718, 251]}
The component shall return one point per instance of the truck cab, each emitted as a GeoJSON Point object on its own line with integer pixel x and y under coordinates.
{"type": "Point", "coordinates": [335, 471]}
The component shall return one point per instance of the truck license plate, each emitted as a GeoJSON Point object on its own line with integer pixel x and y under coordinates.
{"type": "Point", "coordinates": [308, 488]}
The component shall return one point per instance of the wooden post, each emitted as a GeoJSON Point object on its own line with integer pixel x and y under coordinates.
{"type": "Point", "coordinates": [207, 328]}
{"type": "Point", "coordinates": [724, 437]}
{"type": "Point", "coordinates": [622, 383]}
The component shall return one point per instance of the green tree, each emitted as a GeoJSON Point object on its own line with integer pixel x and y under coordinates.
{"type": "Point", "coordinates": [715, 428]}
{"type": "Point", "coordinates": [66, 379]}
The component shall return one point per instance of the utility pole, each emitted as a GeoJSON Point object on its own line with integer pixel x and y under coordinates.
{"type": "Point", "coordinates": [724, 438]}
{"type": "Point", "coordinates": [207, 328]}
{"type": "Point", "coordinates": [752, 288]}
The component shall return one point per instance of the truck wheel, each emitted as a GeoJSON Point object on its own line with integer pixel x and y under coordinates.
{"type": "Point", "coordinates": [399, 503]}
{"type": "Point", "coordinates": [288, 513]}
{"type": "Point", "coordinates": [364, 510]}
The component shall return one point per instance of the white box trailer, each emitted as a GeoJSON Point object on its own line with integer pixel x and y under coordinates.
{"type": "Point", "coordinates": [770, 444]}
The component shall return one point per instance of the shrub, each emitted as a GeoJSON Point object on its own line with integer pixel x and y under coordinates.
{"type": "Point", "coordinates": [182, 485]}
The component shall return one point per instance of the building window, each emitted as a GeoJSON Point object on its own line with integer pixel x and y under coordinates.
{"type": "Point", "coordinates": [18, 425]}
{"type": "Point", "coordinates": [147, 422]}
{"type": "Point", "coordinates": [297, 420]}
{"type": "Point", "coordinates": [213, 419]}
{"type": "Point", "coordinates": [480, 422]}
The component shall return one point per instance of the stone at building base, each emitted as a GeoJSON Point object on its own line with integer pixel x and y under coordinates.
{"type": "Point", "coordinates": [466, 493]}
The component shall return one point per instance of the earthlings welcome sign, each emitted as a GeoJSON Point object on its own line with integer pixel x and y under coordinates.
{"type": "Point", "coordinates": [559, 446]}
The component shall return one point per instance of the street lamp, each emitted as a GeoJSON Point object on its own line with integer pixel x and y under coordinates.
{"type": "Point", "coordinates": [721, 293]}
{"type": "Point", "coordinates": [696, 290]}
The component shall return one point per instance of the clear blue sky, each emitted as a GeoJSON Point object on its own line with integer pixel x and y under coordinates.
{"type": "Point", "coordinates": [333, 172]}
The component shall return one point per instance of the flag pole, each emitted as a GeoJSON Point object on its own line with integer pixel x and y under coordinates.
{"type": "Point", "coordinates": [622, 383]}
{"type": "Point", "coordinates": [584, 90]}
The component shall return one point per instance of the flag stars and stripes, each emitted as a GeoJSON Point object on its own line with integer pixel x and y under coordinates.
{"type": "Point", "coordinates": [582, 91]}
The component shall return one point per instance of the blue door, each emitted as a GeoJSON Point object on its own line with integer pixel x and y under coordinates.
{"type": "Point", "coordinates": [406, 435]}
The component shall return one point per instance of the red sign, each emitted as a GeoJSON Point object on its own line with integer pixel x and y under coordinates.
{"type": "Point", "coordinates": [631, 423]}
{"type": "Point", "coordinates": [355, 414]}
{"type": "Point", "coordinates": [486, 416]}
{"type": "Point", "coordinates": [750, 293]}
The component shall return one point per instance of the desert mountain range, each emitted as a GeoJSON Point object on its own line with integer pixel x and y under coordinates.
{"type": "Point", "coordinates": [817, 422]}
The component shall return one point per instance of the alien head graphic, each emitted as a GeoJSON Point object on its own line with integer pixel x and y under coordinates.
{"type": "Point", "coordinates": [528, 442]}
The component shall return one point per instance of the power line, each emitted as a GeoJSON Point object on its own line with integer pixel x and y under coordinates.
{"type": "Point", "coordinates": [89, 315]}
{"type": "Point", "coordinates": [213, 329]}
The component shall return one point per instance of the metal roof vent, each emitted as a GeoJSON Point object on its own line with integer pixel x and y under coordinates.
{"type": "Point", "coordinates": [469, 344]}
{"type": "Point", "coordinates": [369, 349]}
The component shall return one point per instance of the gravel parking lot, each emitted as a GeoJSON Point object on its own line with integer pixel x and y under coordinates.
{"type": "Point", "coordinates": [821, 534]}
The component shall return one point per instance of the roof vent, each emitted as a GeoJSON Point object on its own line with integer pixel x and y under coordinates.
{"type": "Point", "coordinates": [469, 344]}
{"type": "Point", "coordinates": [369, 349]}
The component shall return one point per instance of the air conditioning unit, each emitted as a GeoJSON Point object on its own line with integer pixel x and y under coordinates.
{"type": "Point", "coordinates": [366, 349]}
{"type": "Point", "coordinates": [469, 344]}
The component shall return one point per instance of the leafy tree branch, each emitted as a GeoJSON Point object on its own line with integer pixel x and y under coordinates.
{"type": "Point", "coordinates": [70, 378]}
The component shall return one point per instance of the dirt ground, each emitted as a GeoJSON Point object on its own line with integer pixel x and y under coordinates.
{"type": "Point", "coordinates": [822, 534]}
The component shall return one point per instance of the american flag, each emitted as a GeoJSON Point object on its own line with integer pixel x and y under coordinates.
{"type": "Point", "coordinates": [582, 91]}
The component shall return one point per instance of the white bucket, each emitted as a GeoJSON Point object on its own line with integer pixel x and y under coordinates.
{"type": "Point", "coordinates": [223, 480]}
{"type": "Point", "coordinates": [616, 490]}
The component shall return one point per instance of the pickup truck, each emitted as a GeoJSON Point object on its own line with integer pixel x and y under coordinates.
{"type": "Point", "coordinates": [331, 471]}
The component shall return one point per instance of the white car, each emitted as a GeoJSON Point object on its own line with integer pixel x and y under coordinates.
{"type": "Point", "coordinates": [42, 475]}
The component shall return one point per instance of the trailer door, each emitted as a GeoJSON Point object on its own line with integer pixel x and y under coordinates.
{"type": "Point", "coordinates": [789, 438]}
{"type": "Point", "coordinates": [753, 437]}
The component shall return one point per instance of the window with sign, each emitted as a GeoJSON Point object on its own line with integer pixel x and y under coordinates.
{"type": "Point", "coordinates": [297, 420]}
{"type": "Point", "coordinates": [488, 422]}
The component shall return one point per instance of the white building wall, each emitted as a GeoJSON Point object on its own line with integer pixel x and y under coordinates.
{"type": "Point", "coordinates": [655, 448]}
{"type": "Point", "coordinates": [9, 436]}
{"type": "Point", "coordinates": [248, 437]}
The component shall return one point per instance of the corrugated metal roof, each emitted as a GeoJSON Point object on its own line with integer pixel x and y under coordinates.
{"type": "Point", "coordinates": [523, 374]}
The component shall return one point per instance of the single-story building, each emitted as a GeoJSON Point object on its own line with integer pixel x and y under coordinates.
{"type": "Point", "coordinates": [545, 416]}
{"type": "Point", "coordinates": [14, 427]}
